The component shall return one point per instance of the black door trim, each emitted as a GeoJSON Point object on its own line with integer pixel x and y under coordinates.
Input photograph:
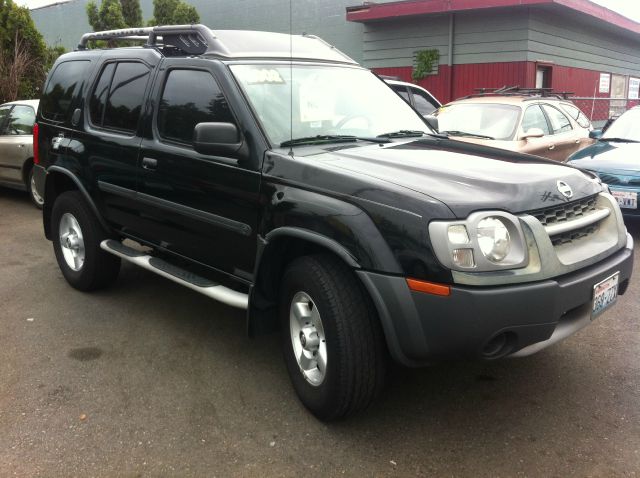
{"type": "Point", "coordinates": [220, 221]}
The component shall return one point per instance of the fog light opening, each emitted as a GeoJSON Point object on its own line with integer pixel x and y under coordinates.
{"type": "Point", "coordinates": [499, 346]}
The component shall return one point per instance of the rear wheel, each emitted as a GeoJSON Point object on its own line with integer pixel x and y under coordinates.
{"type": "Point", "coordinates": [77, 235]}
{"type": "Point", "coordinates": [332, 341]}
{"type": "Point", "coordinates": [36, 199]}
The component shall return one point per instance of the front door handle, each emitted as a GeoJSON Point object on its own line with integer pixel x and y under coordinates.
{"type": "Point", "coordinates": [149, 163]}
{"type": "Point", "coordinates": [577, 141]}
{"type": "Point", "coordinates": [552, 147]}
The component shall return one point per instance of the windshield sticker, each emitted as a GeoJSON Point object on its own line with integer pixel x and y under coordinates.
{"type": "Point", "coordinates": [261, 76]}
{"type": "Point", "coordinates": [317, 101]}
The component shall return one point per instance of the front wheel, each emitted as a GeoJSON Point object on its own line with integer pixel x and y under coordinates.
{"type": "Point", "coordinates": [77, 235]}
{"type": "Point", "coordinates": [332, 340]}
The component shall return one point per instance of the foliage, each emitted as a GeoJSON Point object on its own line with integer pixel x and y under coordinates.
{"type": "Point", "coordinates": [426, 61]}
{"type": "Point", "coordinates": [185, 14]}
{"type": "Point", "coordinates": [132, 13]}
{"type": "Point", "coordinates": [108, 17]}
{"type": "Point", "coordinates": [173, 12]}
{"type": "Point", "coordinates": [24, 57]}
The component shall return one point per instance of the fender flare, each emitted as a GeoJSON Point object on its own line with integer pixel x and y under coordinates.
{"type": "Point", "coordinates": [81, 188]}
{"type": "Point", "coordinates": [311, 236]}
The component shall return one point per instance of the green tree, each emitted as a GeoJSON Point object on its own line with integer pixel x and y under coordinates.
{"type": "Point", "coordinates": [24, 57]}
{"type": "Point", "coordinates": [185, 14]}
{"type": "Point", "coordinates": [173, 12]}
{"type": "Point", "coordinates": [108, 17]}
{"type": "Point", "coordinates": [132, 13]}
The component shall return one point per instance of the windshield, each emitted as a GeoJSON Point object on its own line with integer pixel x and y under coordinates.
{"type": "Point", "coordinates": [485, 119]}
{"type": "Point", "coordinates": [326, 101]}
{"type": "Point", "coordinates": [625, 127]}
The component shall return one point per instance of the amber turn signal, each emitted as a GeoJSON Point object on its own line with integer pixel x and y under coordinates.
{"type": "Point", "coordinates": [428, 287]}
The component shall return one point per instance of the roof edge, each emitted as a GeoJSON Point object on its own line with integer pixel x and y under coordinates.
{"type": "Point", "coordinates": [371, 11]}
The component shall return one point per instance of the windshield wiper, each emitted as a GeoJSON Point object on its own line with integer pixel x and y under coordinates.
{"type": "Point", "coordinates": [464, 133]}
{"type": "Point", "coordinates": [330, 138]}
{"type": "Point", "coordinates": [402, 133]}
{"type": "Point", "coordinates": [620, 140]}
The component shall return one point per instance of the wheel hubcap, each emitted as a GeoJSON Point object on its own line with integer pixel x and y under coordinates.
{"type": "Point", "coordinates": [71, 242]}
{"type": "Point", "coordinates": [36, 197]}
{"type": "Point", "coordinates": [307, 338]}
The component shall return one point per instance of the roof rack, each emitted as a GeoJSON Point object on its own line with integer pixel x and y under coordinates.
{"type": "Point", "coordinates": [517, 91]}
{"type": "Point", "coordinates": [191, 39]}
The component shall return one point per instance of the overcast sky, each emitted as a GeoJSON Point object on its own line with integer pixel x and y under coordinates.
{"type": "Point", "coordinates": [629, 8]}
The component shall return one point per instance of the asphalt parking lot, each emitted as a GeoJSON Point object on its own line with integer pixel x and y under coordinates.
{"type": "Point", "coordinates": [151, 379]}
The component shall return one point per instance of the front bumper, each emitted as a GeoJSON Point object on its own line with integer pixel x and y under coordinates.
{"type": "Point", "coordinates": [421, 327]}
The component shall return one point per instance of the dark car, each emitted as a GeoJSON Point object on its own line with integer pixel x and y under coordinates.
{"type": "Point", "coordinates": [615, 158]}
{"type": "Point", "coordinates": [254, 168]}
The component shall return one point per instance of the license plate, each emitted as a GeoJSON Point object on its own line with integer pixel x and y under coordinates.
{"type": "Point", "coordinates": [605, 294]}
{"type": "Point", "coordinates": [626, 199]}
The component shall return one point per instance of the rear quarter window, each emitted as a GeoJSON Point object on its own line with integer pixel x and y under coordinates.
{"type": "Point", "coordinates": [64, 83]}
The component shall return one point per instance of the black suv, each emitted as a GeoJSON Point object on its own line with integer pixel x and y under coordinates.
{"type": "Point", "coordinates": [274, 174]}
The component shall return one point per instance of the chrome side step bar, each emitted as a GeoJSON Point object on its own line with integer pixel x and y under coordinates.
{"type": "Point", "coordinates": [209, 288]}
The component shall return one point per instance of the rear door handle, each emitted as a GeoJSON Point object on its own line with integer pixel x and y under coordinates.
{"type": "Point", "coordinates": [552, 147]}
{"type": "Point", "coordinates": [149, 163]}
{"type": "Point", "coordinates": [577, 141]}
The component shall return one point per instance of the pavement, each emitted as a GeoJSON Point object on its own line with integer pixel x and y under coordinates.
{"type": "Point", "coordinates": [151, 379]}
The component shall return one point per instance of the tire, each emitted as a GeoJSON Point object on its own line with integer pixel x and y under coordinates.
{"type": "Point", "coordinates": [97, 268]}
{"type": "Point", "coordinates": [36, 199]}
{"type": "Point", "coordinates": [348, 337]}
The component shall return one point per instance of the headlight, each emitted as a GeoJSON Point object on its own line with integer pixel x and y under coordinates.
{"type": "Point", "coordinates": [485, 241]}
{"type": "Point", "coordinates": [494, 239]}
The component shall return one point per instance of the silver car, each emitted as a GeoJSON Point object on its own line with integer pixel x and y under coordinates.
{"type": "Point", "coordinates": [16, 146]}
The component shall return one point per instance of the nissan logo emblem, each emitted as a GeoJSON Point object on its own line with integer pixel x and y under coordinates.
{"type": "Point", "coordinates": [565, 189]}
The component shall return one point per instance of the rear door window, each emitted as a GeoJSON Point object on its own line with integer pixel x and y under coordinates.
{"type": "Point", "coordinates": [534, 118]}
{"type": "Point", "coordinates": [4, 114]}
{"type": "Point", "coordinates": [402, 91]}
{"type": "Point", "coordinates": [21, 120]}
{"type": "Point", "coordinates": [116, 101]}
{"type": "Point", "coordinates": [577, 115]}
{"type": "Point", "coordinates": [559, 121]}
{"type": "Point", "coordinates": [190, 97]}
{"type": "Point", "coordinates": [423, 103]}
{"type": "Point", "coordinates": [64, 83]}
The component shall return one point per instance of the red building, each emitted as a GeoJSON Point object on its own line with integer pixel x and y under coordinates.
{"type": "Point", "coordinates": [568, 45]}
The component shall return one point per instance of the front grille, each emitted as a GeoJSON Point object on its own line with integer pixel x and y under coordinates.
{"type": "Point", "coordinates": [565, 212]}
{"type": "Point", "coordinates": [570, 236]}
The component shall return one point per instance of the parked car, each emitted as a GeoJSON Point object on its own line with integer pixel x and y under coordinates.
{"type": "Point", "coordinates": [16, 146]}
{"type": "Point", "coordinates": [528, 121]}
{"type": "Point", "coordinates": [422, 100]}
{"type": "Point", "coordinates": [615, 159]}
{"type": "Point", "coordinates": [277, 186]}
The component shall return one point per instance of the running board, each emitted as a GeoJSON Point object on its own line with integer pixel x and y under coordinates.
{"type": "Point", "coordinates": [183, 277]}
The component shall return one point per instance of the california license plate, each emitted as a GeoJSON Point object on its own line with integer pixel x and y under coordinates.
{"type": "Point", "coordinates": [605, 294]}
{"type": "Point", "coordinates": [626, 199]}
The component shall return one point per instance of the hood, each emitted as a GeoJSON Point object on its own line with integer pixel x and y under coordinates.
{"type": "Point", "coordinates": [464, 176]}
{"type": "Point", "coordinates": [610, 157]}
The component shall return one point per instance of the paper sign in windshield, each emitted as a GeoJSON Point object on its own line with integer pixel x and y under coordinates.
{"type": "Point", "coordinates": [317, 102]}
{"type": "Point", "coordinates": [262, 76]}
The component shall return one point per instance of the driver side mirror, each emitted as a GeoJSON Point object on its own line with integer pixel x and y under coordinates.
{"type": "Point", "coordinates": [432, 121]}
{"type": "Point", "coordinates": [218, 139]}
{"type": "Point", "coordinates": [532, 133]}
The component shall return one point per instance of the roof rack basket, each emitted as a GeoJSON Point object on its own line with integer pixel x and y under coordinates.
{"type": "Point", "coordinates": [517, 91]}
{"type": "Point", "coordinates": [191, 39]}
